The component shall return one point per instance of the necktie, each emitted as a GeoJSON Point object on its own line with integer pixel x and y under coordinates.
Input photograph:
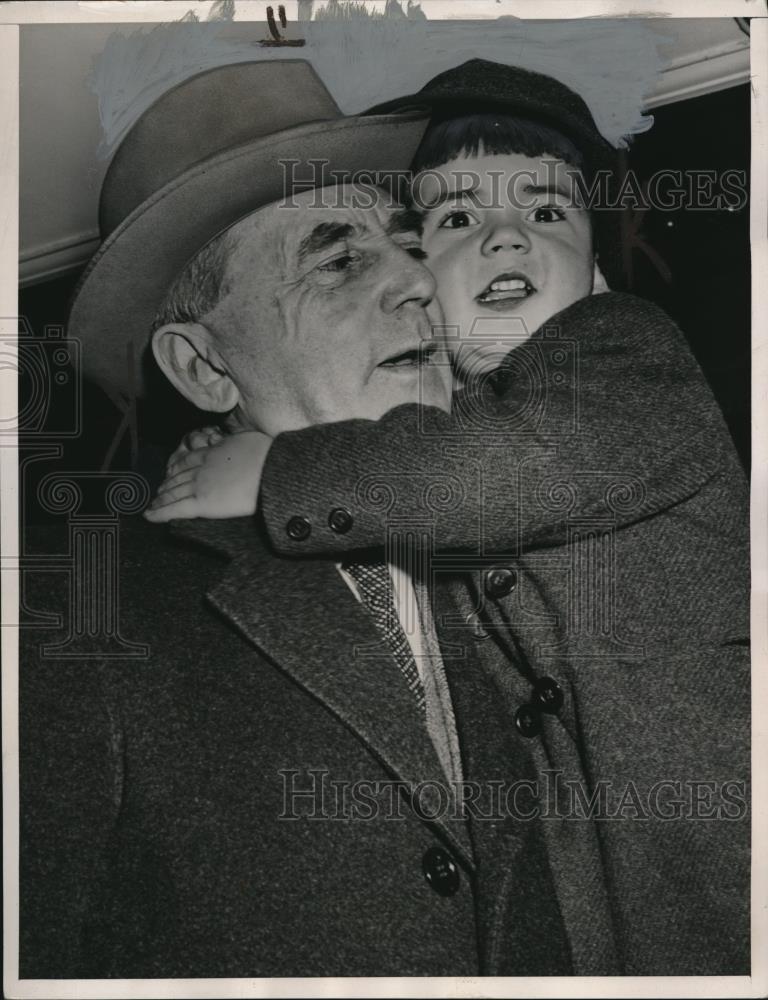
{"type": "Point", "coordinates": [375, 586]}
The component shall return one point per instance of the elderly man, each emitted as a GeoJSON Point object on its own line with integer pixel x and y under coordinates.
{"type": "Point", "coordinates": [272, 790]}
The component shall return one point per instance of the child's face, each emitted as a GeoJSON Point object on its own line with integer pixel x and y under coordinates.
{"type": "Point", "coordinates": [509, 248]}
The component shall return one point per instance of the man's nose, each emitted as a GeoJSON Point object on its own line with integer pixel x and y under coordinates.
{"type": "Point", "coordinates": [506, 235]}
{"type": "Point", "coordinates": [408, 280]}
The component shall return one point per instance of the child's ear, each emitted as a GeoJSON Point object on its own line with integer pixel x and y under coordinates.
{"type": "Point", "coordinates": [188, 359]}
{"type": "Point", "coordinates": [599, 284]}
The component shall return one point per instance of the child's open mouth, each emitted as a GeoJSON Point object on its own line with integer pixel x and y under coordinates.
{"type": "Point", "coordinates": [505, 290]}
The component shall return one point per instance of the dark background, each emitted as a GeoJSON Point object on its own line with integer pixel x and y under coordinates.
{"type": "Point", "coordinates": [698, 271]}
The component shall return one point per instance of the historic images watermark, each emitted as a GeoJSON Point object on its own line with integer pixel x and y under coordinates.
{"type": "Point", "coordinates": [666, 190]}
{"type": "Point", "coordinates": [312, 794]}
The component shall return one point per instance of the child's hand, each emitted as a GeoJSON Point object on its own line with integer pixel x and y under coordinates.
{"type": "Point", "coordinates": [211, 475]}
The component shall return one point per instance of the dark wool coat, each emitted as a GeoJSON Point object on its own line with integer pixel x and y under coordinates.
{"type": "Point", "coordinates": [156, 832]}
{"type": "Point", "coordinates": [591, 495]}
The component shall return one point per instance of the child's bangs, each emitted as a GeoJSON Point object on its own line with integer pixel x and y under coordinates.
{"type": "Point", "coordinates": [497, 134]}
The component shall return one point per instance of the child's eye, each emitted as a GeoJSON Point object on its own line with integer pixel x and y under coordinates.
{"type": "Point", "coordinates": [547, 213]}
{"type": "Point", "coordinates": [458, 219]}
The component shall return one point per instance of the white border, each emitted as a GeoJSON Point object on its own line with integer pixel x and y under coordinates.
{"type": "Point", "coordinates": [9, 488]}
{"type": "Point", "coordinates": [755, 986]}
{"type": "Point", "coordinates": [759, 513]}
{"type": "Point", "coordinates": [71, 12]}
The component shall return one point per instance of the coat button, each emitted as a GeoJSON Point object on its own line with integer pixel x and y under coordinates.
{"type": "Point", "coordinates": [298, 528]}
{"type": "Point", "coordinates": [440, 871]}
{"type": "Point", "coordinates": [548, 695]}
{"type": "Point", "coordinates": [500, 582]}
{"type": "Point", "coordinates": [340, 520]}
{"type": "Point", "coordinates": [528, 721]}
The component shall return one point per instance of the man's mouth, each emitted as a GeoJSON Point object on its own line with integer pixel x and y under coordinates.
{"type": "Point", "coordinates": [416, 357]}
{"type": "Point", "coordinates": [511, 287]}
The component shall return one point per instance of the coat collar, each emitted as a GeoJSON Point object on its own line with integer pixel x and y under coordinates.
{"type": "Point", "coordinates": [302, 616]}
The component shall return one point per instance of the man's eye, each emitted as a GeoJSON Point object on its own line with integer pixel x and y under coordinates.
{"type": "Point", "coordinates": [458, 220]}
{"type": "Point", "coordinates": [416, 252]}
{"type": "Point", "coordinates": [547, 213]}
{"type": "Point", "coordinates": [342, 262]}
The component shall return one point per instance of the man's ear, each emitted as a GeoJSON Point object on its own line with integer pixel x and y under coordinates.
{"type": "Point", "coordinates": [599, 284]}
{"type": "Point", "coordinates": [188, 359]}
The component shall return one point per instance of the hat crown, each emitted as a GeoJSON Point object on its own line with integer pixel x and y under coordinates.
{"type": "Point", "coordinates": [498, 82]}
{"type": "Point", "coordinates": [227, 107]}
{"type": "Point", "coordinates": [480, 84]}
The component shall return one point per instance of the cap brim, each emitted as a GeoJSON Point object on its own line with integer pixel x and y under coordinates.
{"type": "Point", "coordinates": [120, 292]}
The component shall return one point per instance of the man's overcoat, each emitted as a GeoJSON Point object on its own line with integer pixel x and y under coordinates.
{"type": "Point", "coordinates": [255, 794]}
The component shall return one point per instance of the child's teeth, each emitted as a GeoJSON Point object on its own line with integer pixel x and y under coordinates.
{"type": "Point", "coordinates": [507, 286]}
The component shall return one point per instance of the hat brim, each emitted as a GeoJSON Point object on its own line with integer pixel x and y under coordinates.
{"type": "Point", "coordinates": [122, 288]}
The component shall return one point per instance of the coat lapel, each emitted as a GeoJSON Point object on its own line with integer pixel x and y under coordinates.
{"type": "Point", "coordinates": [302, 616]}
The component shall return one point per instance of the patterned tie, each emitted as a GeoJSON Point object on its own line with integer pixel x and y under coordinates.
{"type": "Point", "coordinates": [375, 586]}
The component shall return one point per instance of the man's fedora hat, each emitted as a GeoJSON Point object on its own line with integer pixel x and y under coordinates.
{"type": "Point", "coordinates": [481, 85]}
{"type": "Point", "coordinates": [206, 154]}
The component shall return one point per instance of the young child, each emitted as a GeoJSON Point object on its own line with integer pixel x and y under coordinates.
{"type": "Point", "coordinates": [598, 492]}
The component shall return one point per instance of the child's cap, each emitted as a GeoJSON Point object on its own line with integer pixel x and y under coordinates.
{"type": "Point", "coordinates": [480, 85]}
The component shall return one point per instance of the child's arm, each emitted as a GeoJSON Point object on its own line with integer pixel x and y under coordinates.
{"type": "Point", "coordinates": [632, 431]}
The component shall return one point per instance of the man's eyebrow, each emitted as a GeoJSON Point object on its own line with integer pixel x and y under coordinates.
{"type": "Point", "coordinates": [324, 235]}
{"type": "Point", "coordinates": [406, 220]}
